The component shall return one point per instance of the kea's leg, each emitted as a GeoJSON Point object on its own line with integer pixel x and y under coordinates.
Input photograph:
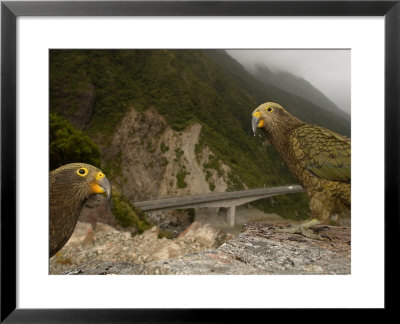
{"type": "Point", "coordinates": [320, 210]}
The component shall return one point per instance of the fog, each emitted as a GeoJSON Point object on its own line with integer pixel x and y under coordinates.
{"type": "Point", "coordinates": [327, 70]}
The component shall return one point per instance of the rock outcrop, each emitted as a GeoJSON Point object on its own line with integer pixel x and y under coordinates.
{"type": "Point", "coordinates": [155, 161]}
{"type": "Point", "coordinates": [257, 250]}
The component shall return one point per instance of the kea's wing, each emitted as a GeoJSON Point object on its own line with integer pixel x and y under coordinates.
{"type": "Point", "coordinates": [324, 153]}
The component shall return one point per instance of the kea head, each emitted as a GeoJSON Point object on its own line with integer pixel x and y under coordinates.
{"type": "Point", "coordinates": [80, 180]}
{"type": "Point", "coordinates": [70, 187]}
{"type": "Point", "coordinates": [273, 119]}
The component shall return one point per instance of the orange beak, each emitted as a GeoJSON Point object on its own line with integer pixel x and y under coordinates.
{"type": "Point", "coordinates": [101, 185]}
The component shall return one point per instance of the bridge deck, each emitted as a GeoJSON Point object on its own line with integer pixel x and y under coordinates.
{"type": "Point", "coordinates": [169, 203]}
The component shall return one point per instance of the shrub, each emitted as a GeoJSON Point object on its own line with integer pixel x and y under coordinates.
{"type": "Point", "coordinates": [180, 176]}
{"type": "Point", "coordinates": [68, 145]}
{"type": "Point", "coordinates": [127, 214]}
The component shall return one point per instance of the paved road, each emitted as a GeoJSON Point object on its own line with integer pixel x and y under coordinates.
{"type": "Point", "coordinates": [169, 203]}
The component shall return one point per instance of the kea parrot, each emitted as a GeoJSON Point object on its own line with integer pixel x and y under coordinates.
{"type": "Point", "coordinates": [317, 157]}
{"type": "Point", "coordinates": [70, 187]}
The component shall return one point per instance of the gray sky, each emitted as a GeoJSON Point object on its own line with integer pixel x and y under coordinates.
{"type": "Point", "coordinates": [327, 70]}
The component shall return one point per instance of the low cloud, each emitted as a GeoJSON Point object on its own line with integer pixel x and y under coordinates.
{"type": "Point", "coordinates": [327, 70]}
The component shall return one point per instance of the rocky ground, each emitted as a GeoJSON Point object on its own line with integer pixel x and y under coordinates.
{"type": "Point", "coordinates": [257, 250]}
{"type": "Point", "coordinates": [206, 246]}
{"type": "Point", "coordinates": [105, 243]}
{"type": "Point", "coordinates": [97, 237]}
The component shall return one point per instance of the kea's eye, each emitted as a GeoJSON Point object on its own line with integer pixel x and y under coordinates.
{"type": "Point", "coordinates": [269, 109]}
{"type": "Point", "coordinates": [82, 172]}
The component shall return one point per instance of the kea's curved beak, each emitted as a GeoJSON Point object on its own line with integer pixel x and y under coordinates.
{"type": "Point", "coordinates": [254, 124]}
{"type": "Point", "coordinates": [101, 185]}
{"type": "Point", "coordinates": [106, 186]}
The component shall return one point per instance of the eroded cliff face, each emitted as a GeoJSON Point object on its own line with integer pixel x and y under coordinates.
{"type": "Point", "coordinates": [154, 161]}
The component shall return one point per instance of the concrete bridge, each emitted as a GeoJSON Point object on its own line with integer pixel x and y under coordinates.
{"type": "Point", "coordinates": [229, 200]}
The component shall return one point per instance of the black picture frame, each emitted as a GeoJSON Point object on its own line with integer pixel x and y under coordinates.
{"type": "Point", "coordinates": [11, 10]}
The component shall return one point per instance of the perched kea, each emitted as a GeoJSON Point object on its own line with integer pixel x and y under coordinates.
{"type": "Point", "coordinates": [70, 187]}
{"type": "Point", "coordinates": [317, 157]}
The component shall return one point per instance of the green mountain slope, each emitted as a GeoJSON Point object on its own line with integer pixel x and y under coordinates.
{"type": "Point", "coordinates": [94, 89]}
{"type": "Point", "coordinates": [267, 91]}
{"type": "Point", "coordinates": [299, 87]}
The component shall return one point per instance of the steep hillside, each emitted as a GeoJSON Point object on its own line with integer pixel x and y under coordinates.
{"type": "Point", "coordinates": [154, 161]}
{"type": "Point", "coordinates": [172, 122]}
{"type": "Point", "coordinates": [299, 87]}
{"type": "Point", "coordinates": [263, 91]}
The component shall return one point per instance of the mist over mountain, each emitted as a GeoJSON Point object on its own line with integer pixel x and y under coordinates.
{"type": "Point", "coordinates": [299, 87]}
{"type": "Point", "coordinates": [327, 70]}
{"type": "Point", "coordinates": [285, 90]}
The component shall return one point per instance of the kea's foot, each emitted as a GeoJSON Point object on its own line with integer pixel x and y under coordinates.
{"type": "Point", "coordinates": [304, 229]}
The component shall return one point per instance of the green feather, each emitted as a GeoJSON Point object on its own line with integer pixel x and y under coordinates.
{"type": "Point", "coordinates": [326, 154]}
